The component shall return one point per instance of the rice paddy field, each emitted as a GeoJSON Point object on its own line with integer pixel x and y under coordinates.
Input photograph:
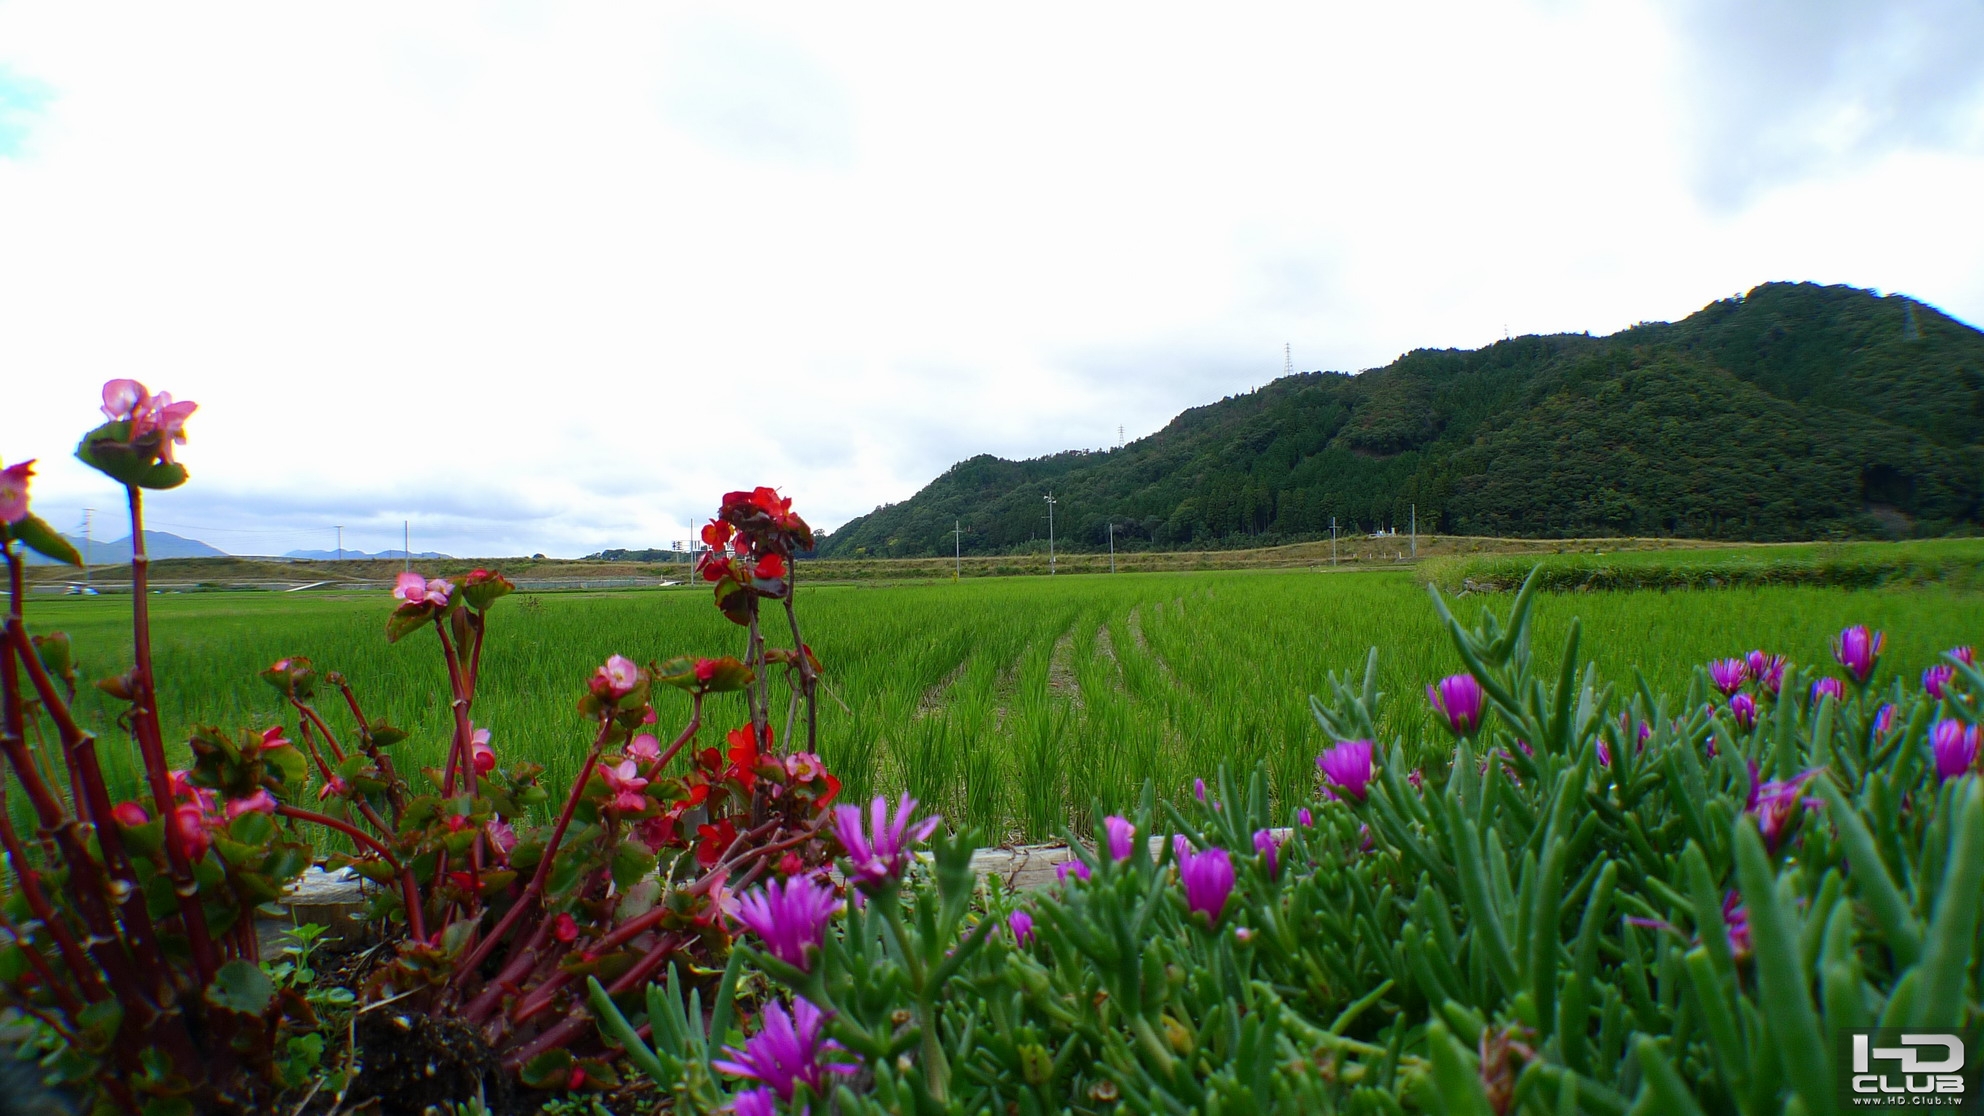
{"type": "Point", "coordinates": [1012, 704]}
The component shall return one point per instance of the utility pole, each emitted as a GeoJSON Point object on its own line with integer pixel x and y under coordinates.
{"type": "Point", "coordinates": [406, 542]}
{"type": "Point", "coordinates": [957, 550]}
{"type": "Point", "coordinates": [1050, 533]}
{"type": "Point", "coordinates": [1415, 530]}
{"type": "Point", "coordinates": [340, 542]}
{"type": "Point", "coordinates": [87, 512]}
{"type": "Point", "coordinates": [1332, 540]}
{"type": "Point", "coordinates": [1112, 544]}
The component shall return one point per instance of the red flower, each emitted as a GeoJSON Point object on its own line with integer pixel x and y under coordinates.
{"type": "Point", "coordinates": [770, 568]}
{"type": "Point", "coordinates": [129, 814]}
{"type": "Point", "coordinates": [564, 928]}
{"type": "Point", "coordinates": [713, 840]}
{"type": "Point", "coordinates": [716, 534]}
{"type": "Point", "coordinates": [744, 755]}
{"type": "Point", "coordinates": [706, 669]}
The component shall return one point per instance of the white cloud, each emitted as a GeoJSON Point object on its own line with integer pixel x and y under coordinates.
{"type": "Point", "coordinates": [550, 278]}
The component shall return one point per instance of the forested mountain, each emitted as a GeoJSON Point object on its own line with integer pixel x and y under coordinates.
{"type": "Point", "coordinates": [1793, 412]}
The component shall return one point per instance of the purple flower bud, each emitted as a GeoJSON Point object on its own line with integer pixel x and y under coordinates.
{"type": "Point", "coordinates": [1963, 655]}
{"type": "Point", "coordinates": [1199, 789]}
{"type": "Point", "coordinates": [878, 858]}
{"type": "Point", "coordinates": [1348, 767]}
{"type": "Point", "coordinates": [1936, 680]}
{"type": "Point", "coordinates": [1858, 651]}
{"type": "Point", "coordinates": [1743, 707]}
{"type": "Point", "coordinates": [1266, 844]}
{"type": "Point", "coordinates": [1884, 720]}
{"type": "Point", "coordinates": [1776, 805]}
{"type": "Point", "coordinates": [1305, 817]}
{"type": "Point", "coordinates": [1604, 755]}
{"type": "Point", "coordinates": [1208, 880]}
{"type": "Point", "coordinates": [1457, 697]}
{"type": "Point", "coordinates": [1071, 867]}
{"type": "Point", "coordinates": [1021, 924]}
{"type": "Point", "coordinates": [1120, 832]}
{"type": "Point", "coordinates": [754, 1102]}
{"type": "Point", "coordinates": [789, 916]}
{"type": "Point", "coordinates": [1828, 687]}
{"type": "Point", "coordinates": [1728, 674]}
{"type": "Point", "coordinates": [1955, 747]}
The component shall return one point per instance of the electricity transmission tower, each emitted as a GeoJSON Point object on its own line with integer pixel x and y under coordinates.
{"type": "Point", "coordinates": [1287, 359]}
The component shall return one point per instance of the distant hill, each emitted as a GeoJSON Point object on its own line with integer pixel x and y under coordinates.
{"type": "Point", "coordinates": [356, 555]}
{"type": "Point", "coordinates": [158, 544]}
{"type": "Point", "coordinates": [1793, 412]}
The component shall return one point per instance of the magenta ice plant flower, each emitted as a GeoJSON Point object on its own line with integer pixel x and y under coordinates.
{"type": "Point", "coordinates": [1073, 866]}
{"type": "Point", "coordinates": [788, 1050]}
{"type": "Point", "coordinates": [1964, 655]}
{"type": "Point", "coordinates": [1120, 833]}
{"type": "Point", "coordinates": [1776, 805]}
{"type": "Point", "coordinates": [1743, 708]}
{"type": "Point", "coordinates": [1728, 674]}
{"type": "Point", "coordinates": [1828, 687]}
{"type": "Point", "coordinates": [754, 1102]}
{"type": "Point", "coordinates": [1884, 720]}
{"type": "Point", "coordinates": [790, 916]}
{"type": "Point", "coordinates": [1767, 669]}
{"type": "Point", "coordinates": [1305, 817]}
{"type": "Point", "coordinates": [1021, 924]}
{"type": "Point", "coordinates": [1268, 846]}
{"type": "Point", "coordinates": [1208, 880]}
{"type": "Point", "coordinates": [1458, 700]}
{"type": "Point", "coordinates": [1936, 680]}
{"type": "Point", "coordinates": [1859, 651]}
{"type": "Point", "coordinates": [1955, 747]}
{"type": "Point", "coordinates": [1348, 767]}
{"type": "Point", "coordinates": [878, 857]}
{"type": "Point", "coordinates": [14, 491]}
{"type": "Point", "coordinates": [1199, 789]}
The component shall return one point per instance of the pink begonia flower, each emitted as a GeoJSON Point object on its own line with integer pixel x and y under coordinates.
{"type": "Point", "coordinates": [501, 835]}
{"type": "Point", "coordinates": [645, 748]}
{"type": "Point", "coordinates": [617, 678]}
{"type": "Point", "coordinates": [125, 400]}
{"type": "Point", "coordinates": [129, 814]}
{"type": "Point", "coordinates": [336, 786]}
{"type": "Point", "coordinates": [169, 419]}
{"type": "Point", "coordinates": [261, 802]}
{"type": "Point", "coordinates": [480, 753]}
{"type": "Point", "coordinates": [804, 767]}
{"type": "Point", "coordinates": [625, 782]}
{"type": "Point", "coordinates": [14, 491]}
{"type": "Point", "coordinates": [417, 590]}
{"type": "Point", "coordinates": [190, 823]}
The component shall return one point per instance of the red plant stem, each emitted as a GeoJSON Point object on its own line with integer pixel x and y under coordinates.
{"type": "Point", "coordinates": [475, 652]}
{"type": "Point", "coordinates": [151, 746]}
{"type": "Point", "coordinates": [378, 757]}
{"type": "Point", "coordinates": [572, 1026]}
{"type": "Point", "coordinates": [310, 743]}
{"type": "Point", "coordinates": [65, 996]}
{"type": "Point", "coordinates": [808, 678]}
{"type": "Point", "coordinates": [464, 750]}
{"type": "Point", "coordinates": [330, 740]}
{"type": "Point", "coordinates": [536, 887]}
{"type": "Point", "coordinates": [687, 734]}
{"type": "Point", "coordinates": [409, 889]}
{"type": "Point", "coordinates": [80, 967]}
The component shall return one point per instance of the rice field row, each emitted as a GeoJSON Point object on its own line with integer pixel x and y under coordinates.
{"type": "Point", "coordinates": [1009, 704]}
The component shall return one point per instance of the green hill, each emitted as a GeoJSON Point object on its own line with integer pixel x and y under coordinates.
{"type": "Point", "coordinates": [1794, 412]}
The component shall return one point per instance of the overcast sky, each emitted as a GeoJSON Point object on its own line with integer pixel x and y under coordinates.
{"type": "Point", "coordinates": [553, 277]}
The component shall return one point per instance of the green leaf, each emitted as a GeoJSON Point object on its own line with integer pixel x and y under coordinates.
{"type": "Point", "coordinates": [632, 862]}
{"type": "Point", "coordinates": [252, 828]}
{"type": "Point", "coordinates": [406, 619]}
{"type": "Point", "coordinates": [44, 540]}
{"type": "Point", "coordinates": [1953, 929]}
{"type": "Point", "coordinates": [1869, 875]}
{"type": "Point", "coordinates": [242, 987]}
{"type": "Point", "coordinates": [549, 1070]}
{"type": "Point", "coordinates": [109, 450]}
{"type": "Point", "coordinates": [1783, 993]}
